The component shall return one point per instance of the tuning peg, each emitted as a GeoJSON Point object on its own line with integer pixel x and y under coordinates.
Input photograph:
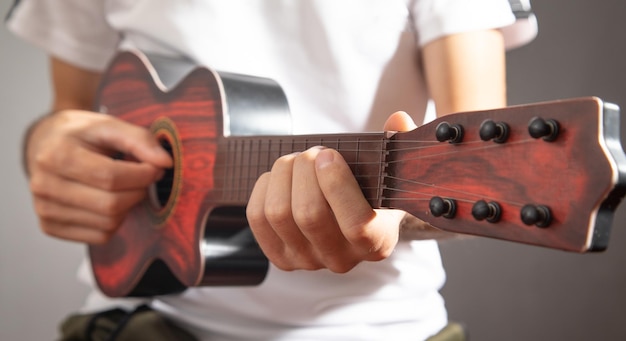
{"type": "Point", "coordinates": [442, 207]}
{"type": "Point", "coordinates": [483, 210]}
{"type": "Point", "coordinates": [490, 130]}
{"type": "Point", "coordinates": [538, 215]}
{"type": "Point", "coordinates": [547, 129]}
{"type": "Point", "coordinates": [451, 133]}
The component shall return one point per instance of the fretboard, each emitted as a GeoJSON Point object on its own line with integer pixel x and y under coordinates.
{"type": "Point", "coordinates": [241, 160]}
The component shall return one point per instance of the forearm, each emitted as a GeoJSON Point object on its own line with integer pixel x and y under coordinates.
{"type": "Point", "coordinates": [73, 89]}
{"type": "Point", "coordinates": [466, 71]}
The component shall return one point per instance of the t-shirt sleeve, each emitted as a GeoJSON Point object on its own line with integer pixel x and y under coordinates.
{"type": "Point", "coordinates": [433, 19]}
{"type": "Point", "coordinates": [75, 31]}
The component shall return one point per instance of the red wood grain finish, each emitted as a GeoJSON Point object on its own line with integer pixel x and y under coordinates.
{"type": "Point", "coordinates": [192, 111]}
{"type": "Point", "coordinates": [569, 175]}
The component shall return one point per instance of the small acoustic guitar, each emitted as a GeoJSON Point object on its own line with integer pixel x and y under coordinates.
{"type": "Point", "coordinates": [548, 174]}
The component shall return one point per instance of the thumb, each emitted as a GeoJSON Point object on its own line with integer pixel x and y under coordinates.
{"type": "Point", "coordinates": [399, 121]}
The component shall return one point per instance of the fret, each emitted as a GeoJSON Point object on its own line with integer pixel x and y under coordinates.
{"type": "Point", "coordinates": [248, 170]}
{"type": "Point", "coordinates": [228, 181]}
{"type": "Point", "coordinates": [236, 166]}
{"type": "Point", "coordinates": [256, 163]}
{"type": "Point", "coordinates": [382, 166]}
{"type": "Point", "coordinates": [358, 154]}
{"type": "Point", "coordinates": [269, 154]}
{"type": "Point", "coordinates": [241, 177]}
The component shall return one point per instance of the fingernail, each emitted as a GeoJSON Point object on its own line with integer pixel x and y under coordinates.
{"type": "Point", "coordinates": [161, 150]}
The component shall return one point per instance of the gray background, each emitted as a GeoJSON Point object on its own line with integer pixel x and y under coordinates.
{"type": "Point", "coordinates": [501, 290]}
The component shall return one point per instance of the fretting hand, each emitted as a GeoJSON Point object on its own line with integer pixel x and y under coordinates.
{"type": "Point", "coordinates": [309, 212]}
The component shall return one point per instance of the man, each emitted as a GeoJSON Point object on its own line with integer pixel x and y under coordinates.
{"type": "Point", "coordinates": [344, 67]}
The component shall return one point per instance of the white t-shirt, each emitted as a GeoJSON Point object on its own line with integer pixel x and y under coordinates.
{"type": "Point", "coordinates": [344, 65]}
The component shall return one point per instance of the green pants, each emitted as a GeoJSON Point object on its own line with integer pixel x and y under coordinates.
{"type": "Point", "coordinates": [145, 324]}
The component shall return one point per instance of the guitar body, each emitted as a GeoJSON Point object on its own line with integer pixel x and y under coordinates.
{"type": "Point", "coordinates": [164, 245]}
{"type": "Point", "coordinates": [548, 174]}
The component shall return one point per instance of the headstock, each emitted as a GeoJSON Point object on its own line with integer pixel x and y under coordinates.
{"type": "Point", "coordinates": [548, 174]}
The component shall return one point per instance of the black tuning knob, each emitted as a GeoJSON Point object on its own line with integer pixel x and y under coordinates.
{"type": "Point", "coordinates": [447, 132]}
{"type": "Point", "coordinates": [490, 130]}
{"type": "Point", "coordinates": [442, 207]}
{"type": "Point", "coordinates": [490, 211]}
{"type": "Point", "coordinates": [538, 215]}
{"type": "Point", "coordinates": [547, 129]}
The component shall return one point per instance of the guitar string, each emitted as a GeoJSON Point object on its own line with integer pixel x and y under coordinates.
{"type": "Point", "coordinates": [467, 193]}
{"type": "Point", "coordinates": [431, 145]}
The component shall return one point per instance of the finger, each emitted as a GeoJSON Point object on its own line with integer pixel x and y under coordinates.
{"type": "Point", "coordinates": [271, 245]}
{"type": "Point", "coordinates": [352, 211]}
{"type": "Point", "coordinates": [76, 195]}
{"type": "Point", "coordinates": [75, 233]}
{"type": "Point", "coordinates": [314, 216]}
{"type": "Point", "coordinates": [399, 121]}
{"type": "Point", "coordinates": [51, 212]}
{"type": "Point", "coordinates": [97, 170]}
{"type": "Point", "coordinates": [118, 135]}
{"type": "Point", "coordinates": [280, 215]}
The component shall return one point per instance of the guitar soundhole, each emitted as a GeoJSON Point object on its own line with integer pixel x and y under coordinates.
{"type": "Point", "coordinates": [164, 192]}
{"type": "Point", "coordinates": [163, 187]}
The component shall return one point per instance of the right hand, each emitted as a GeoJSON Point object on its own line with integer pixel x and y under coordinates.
{"type": "Point", "coordinates": [80, 192]}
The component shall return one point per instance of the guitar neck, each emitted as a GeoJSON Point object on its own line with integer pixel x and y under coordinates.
{"type": "Point", "coordinates": [241, 160]}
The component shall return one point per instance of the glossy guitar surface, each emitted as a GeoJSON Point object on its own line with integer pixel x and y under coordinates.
{"type": "Point", "coordinates": [548, 174]}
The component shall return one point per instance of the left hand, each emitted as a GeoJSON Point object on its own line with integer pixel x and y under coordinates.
{"type": "Point", "coordinates": [309, 212]}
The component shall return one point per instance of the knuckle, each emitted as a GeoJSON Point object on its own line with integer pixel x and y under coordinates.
{"type": "Point", "coordinates": [339, 261]}
{"type": "Point", "coordinates": [341, 267]}
{"type": "Point", "coordinates": [283, 264]}
{"type": "Point", "coordinates": [252, 212]}
{"type": "Point", "coordinates": [379, 254]}
{"type": "Point", "coordinates": [254, 216]}
{"type": "Point", "coordinates": [110, 224]}
{"type": "Point", "coordinates": [50, 157]}
{"type": "Point", "coordinates": [296, 260]}
{"type": "Point", "coordinates": [305, 260]}
{"type": "Point", "coordinates": [109, 205]}
{"type": "Point", "coordinates": [105, 179]}
{"type": "Point", "coordinates": [42, 160]}
{"type": "Point", "coordinates": [44, 210]}
{"type": "Point", "coordinates": [47, 228]}
{"type": "Point", "coordinates": [37, 185]}
{"type": "Point", "coordinates": [360, 236]}
{"type": "Point", "coordinates": [371, 243]}
{"type": "Point", "coordinates": [278, 214]}
{"type": "Point", "coordinates": [309, 217]}
{"type": "Point", "coordinates": [286, 160]}
{"type": "Point", "coordinates": [312, 266]}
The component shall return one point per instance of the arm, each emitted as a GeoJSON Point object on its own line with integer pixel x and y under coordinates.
{"type": "Point", "coordinates": [463, 72]}
{"type": "Point", "coordinates": [308, 212]}
{"type": "Point", "coordinates": [466, 71]}
{"type": "Point", "coordinates": [79, 192]}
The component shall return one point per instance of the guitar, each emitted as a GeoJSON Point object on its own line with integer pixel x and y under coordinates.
{"type": "Point", "coordinates": [548, 174]}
